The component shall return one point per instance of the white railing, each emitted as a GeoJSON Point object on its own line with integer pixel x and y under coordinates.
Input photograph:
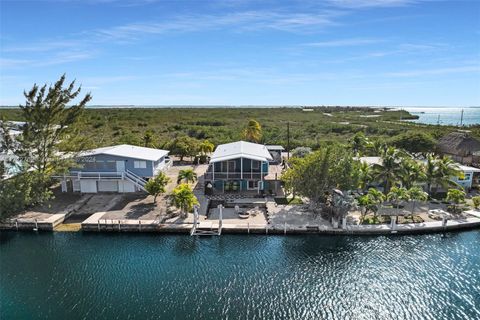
{"type": "Point", "coordinates": [135, 179]}
{"type": "Point", "coordinates": [124, 175]}
{"type": "Point", "coordinates": [136, 176]}
{"type": "Point", "coordinates": [163, 167]}
{"type": "Point", "coordinates": [97, 175]}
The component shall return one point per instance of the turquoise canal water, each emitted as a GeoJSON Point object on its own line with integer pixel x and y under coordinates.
{"type": "Point", "coordinates": [151, 276]}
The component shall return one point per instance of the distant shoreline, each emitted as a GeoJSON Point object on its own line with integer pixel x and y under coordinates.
{"type": "Point", "coordinates": [254, 107]}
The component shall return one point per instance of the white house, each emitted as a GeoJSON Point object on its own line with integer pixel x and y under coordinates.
{"type": "Point", "coordinates": [121, 168]}
{"type": "Point", "coordinates": [238, 166]}
{"type": "Point", "coordinates": [471, 175]}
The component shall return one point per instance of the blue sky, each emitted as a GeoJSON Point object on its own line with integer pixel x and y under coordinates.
{"type": "Point", "coordinates": [241, 52]}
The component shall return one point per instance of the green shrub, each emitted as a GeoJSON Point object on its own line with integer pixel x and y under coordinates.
{"type": "Point", "coordinates": [476, 202]}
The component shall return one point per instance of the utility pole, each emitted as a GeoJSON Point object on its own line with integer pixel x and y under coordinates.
{"type": "Point", "coordinates": [461, 119]}
{"type": "Point", "coordinates": [288, 140]}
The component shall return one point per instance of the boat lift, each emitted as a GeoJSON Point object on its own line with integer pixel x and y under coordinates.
{"type": "Point", "coordinates": [206, 228]}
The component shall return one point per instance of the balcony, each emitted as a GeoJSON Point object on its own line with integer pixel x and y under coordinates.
{"type": "Point", "coordinates": [234, 175]}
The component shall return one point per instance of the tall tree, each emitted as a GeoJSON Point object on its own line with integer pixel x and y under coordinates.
{"type": "Point", "coordinates": [371, 201]}
{"type": "Point", "coordinates": [359, 143]}
{"type": "Point", "coordinates": [184, 146]}
{"type": "Point", "coordinates": [415, 142]}
{"type": "Point", "coordinates": [49, 119]}
{"type": "Point", "coordinates": [397, 195]}
{"type": "Point", "coordinates": [206, 147]}
{"type": "Point", "coordinates": [157, 185]}
{"type": "Point", "coordinates": [416, 194]}
{"type": "Point", "coordinates": [430, 170]}
{"type": "Point", "coordinates": [50, 131]}
{"type": "Point", "coordinates": [319, 172]}
{"type": "Point", "coordinates": [253, 131]}
{"type": "Point", "coordinates": [389, 170]}
{"type": "Point", "coordinates": [410, 172]}
{"type": "Point", "coordinates": [365, 175]}
{"type": "Point", "coordinates": [148, 139]}
{"type": "Point", "coordinates": [184, 198]}
{"type": "Point", "coordinates": [440, 171]}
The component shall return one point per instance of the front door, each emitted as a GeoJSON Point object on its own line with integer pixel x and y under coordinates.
{"type": "Point", "coordinates": [120, 166]}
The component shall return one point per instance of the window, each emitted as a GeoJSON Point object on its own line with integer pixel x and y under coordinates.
{"type": "Point", "coordinates": [252, 185]}
{"type": "Point", "coordinates": [110, 165]}
{"type": "Point", "coordinates": [140, 164]}
{"type": "Point", "coordinates": [255, 165]}
{"type": "Point", "coordinates": [231, 166]}
{"type": "Point", "coordinates": [466, 177]}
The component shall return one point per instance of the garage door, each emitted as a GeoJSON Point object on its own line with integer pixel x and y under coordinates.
{"type": "Point", "coordinates": [88, 186]}
{"type": "Point", "coordinates": [107, 186]}
{"type": "Point", "coordinates": [126, 186]}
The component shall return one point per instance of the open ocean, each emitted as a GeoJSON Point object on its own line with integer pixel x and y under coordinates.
{"type": "Point", "coordinates": [446, 115]}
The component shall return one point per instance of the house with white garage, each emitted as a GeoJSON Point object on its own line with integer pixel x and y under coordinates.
{"type": "Point", "coordinates": [120, 168]}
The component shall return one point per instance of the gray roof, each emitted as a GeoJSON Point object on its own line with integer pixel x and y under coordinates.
{"type": "Point", "coordinates": [128, 151]}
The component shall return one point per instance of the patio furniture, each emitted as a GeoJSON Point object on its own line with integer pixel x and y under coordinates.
{"type": "Point", "coordinates": [244, 215]}
{"type": "Point", "coordinates": [438, 214]}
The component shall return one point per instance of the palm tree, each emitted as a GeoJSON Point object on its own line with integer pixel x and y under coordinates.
{"type": "Point", "coordinates": [377, 147]}
{"type": "Point", "coordinates": [253, 131]}
{"type": "Point", "coordinates": [365, 175]}
{"type": "Point", "coordinates": [396, 195]}
{"type": "Point", "coordinates": [156, 186]}
{"type": "Point", "coordinates": [430, 170]}
{"type": "Point", "coordinates": [390, 168]}
{"type": "Point", "coordinates": [375, 198]}
{"type": "Point", "coordinates": [416, 194]}
{"type": "Point", "coordinates": [410, 173]}
{"type": "Point", "coordinates": [439, 172]}
{"type": "Point", "coordinates": [184, 198]}
{"type": "Point", "coordinates": [359, 143]}
{"type": "Point", "coordinates": [187, 175]}
{"type": "Point", "coordinates": [447, 169]}
{"type": "Point", "coordinates": [148, 139]}
{"type": "Point", "coordinates": [206, 147]}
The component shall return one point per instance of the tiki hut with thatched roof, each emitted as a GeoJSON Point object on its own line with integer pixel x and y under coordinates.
{"type": "Point", "coordinates": [461, 147]}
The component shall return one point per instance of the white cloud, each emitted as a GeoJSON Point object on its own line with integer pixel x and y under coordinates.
{"type": "Point", "coordinates": [370, 3]}
{"type": "Point", "coordinates": [437, 71]}
{"type": "Point", "coordinates": [46, 60]}
{"type": "Point", "coordinates": [241, 21]}
{"type": "Point", "coordinates": [343, 42]}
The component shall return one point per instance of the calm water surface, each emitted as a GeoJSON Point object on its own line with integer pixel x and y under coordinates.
{"type": "Point", "coordinates": [129, 276]}
{"type": "Point", "coordinates": [446, 116]}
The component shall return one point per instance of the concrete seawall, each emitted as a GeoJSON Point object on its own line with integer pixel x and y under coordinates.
{"type": "Point", "coordinates": [153, 226]}
{"type": "Point", "coordinates": [95, 224]}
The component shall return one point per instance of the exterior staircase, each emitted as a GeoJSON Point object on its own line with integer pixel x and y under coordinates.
{"type": "Point", "coordinates": [135, 179]}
